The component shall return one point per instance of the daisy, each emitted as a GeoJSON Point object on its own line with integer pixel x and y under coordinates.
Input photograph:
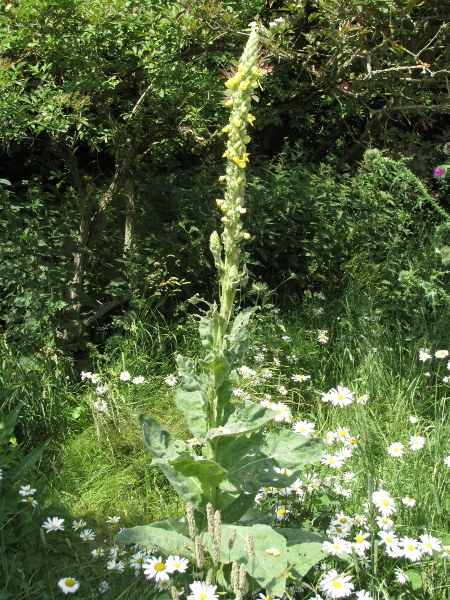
{"type": "Point", "coordinates": [410, 549]}
{"type": "Point", "coordinates": [201, 591]}
{"type": "Point", "coordinates": [124, 376]}
{"type": "Point", "coordinates": [337, 547]}
{"type": "Point", "coordinates": [387, 538]}
{"type": "Point", "coordinates": [100, 405]}
{"type": "Point", "coordinates": [383, 502]}
{"type": "Point", "coordinates": [68, 585]}
{"type": "Point", "coordinates": [155, 568]}
{"type": "Point", "coordinates": [137, 561]}
{"type": "Point", "coordinates": [423, 355]}
{"type": "Point", "coordinates": [87, 535]}
{"type": "Point", "coordinates": [139, 379]}
{"type": "Point", "coordinates": [54, 524]}
{"type": "Point", "coordinates": [401, 576]}
{"type": "Point", "coordinates": [115, 565]}
{"type": "Point", "coordinates": [112, 520]}
{"type": "Point", "coordinates": [26, 490]}
{"type": "Point", "coordinates": [416, 442]}
{"type": "Point", "coordinates": [335, 585]}
{"type": "Point", "coordinates": [300, 378]}
{"type": "Point", "coordinates": [341, 396]}
{"type": "Point", "coordinates": [441, 354]}
{"type": "Point", "coordinates": [428, 543]}
{"type": "Point", "coordinates": [171, 380]}
{"type": "Point", "coordinates": [304, 428]}
{"type": "Point", "coordinates": [395, 449]}
{"type": "Point", "coordinates": [410, 502]}
{"type": "Point", "coordinates": [361, 544]}
{"type": "Point", "coordinates": [363, 399]}
{"type": "Point", "coordinates": [175, 563]}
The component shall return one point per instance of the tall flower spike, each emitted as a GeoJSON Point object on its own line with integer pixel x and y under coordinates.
{"type": "Point", "coordinates": [239, 96]}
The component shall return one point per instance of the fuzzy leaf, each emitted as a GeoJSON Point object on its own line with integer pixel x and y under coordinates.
{"type": "Point", "coordinates": [304, 550]}
{"type": "Point", "coordinates": [170, 537]}
{"type": "Point", "coordinates": [267, 569]}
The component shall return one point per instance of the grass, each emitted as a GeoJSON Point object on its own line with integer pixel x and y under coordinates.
{"type": "Point", "coordinates": [104, 468]}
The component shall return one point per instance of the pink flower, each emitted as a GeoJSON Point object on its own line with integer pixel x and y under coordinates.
{"type": "Point", "coordinates": [438, 172]}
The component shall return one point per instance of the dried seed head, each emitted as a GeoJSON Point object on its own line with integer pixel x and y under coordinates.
{"type": "Point", "coordinates": [190, 519]}
{"type": "Point", "coordinates": [251, 547]}
{"type": "Point", "coordinates": [217, 527]}
{"type": "Point", "coordinates": [199, 553]}
{"type": "Point", "coordinates": [234, 580]}
{"type": "Point", "coordinates": [210, 518]}
{"type": "Point", "coordinates": [232, 538]}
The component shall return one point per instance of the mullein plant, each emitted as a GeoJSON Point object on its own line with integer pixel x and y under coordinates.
{"type": "Point", "coordinates": [224, 537]}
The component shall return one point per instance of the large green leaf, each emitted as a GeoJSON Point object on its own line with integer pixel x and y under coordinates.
{"type": "Point", "coordinates": [207, 472]}
{"type": "Point", "coordinates": [304, 550]}
{"type": "Point", "coordinates": [170, 537]}
{"type": "Point", "coordinates": [190, 397]}
{"type": "Point", "coordinates": [161, 443]}
{"type": "Point", "coordinates": [268, 570]}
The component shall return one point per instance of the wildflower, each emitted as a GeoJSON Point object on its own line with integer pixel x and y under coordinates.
{"type": "Point", "coordinates": [124, 376]}
{"type": "Point", "coordinates": [410, 502]}
{"type": "Point", "coordinates": [337, 547]}
{"type": "Point", "coordinates": [335, 585]}
{"type": "Point", "coordinates": [410, 549]}
{"type": "Point", "coordinates": [340, 397]}
{"type": "Point", "coordinates": [441, 354]}
{"type": "Point", "coordinates": [102, 389]}
{"type": "Point", "coordinates": [383, 501]}
{"type": "Point", "coordinates": [363, 399]}
{"type": "Point", "coordinates": [361, 544]}
{"type": "Point", "coordinates": [115, 565]}
{"type": "Point", "coordinates": [194, 442]}
{"type": "Point", "coordinates": [300, 378]}
{"type": "Point", "coordinates": [282, 390]}
{"type": "Point", "coordinates": [78, 524]}
{"type": "Point", "coordinates": [112, 520]}
{"type": "Point", "coordinates": [87, 535]}
{"type": "Point", "coordinates": [100, 405]}
{"type": "Point", "coordinates": [54, 524]}
{"type": "Point", "coordinates": [68, 585]}
{"type": "Point", "coordinates": [201, 591]}
{"type": "Point", "coordinates": [413, 420]}
{"type": "Point", "coordinates": [428, 543]}
{"type": "Point", "coordinates": [401, 576]}
{"type": "Point", "coordinates": [26, 490]}
{"type": "Point", "coordinates": [97, 552]}
{"type": "Point", "coordinates": [331, 461]}
{"type": "Point", "coordinates": [438, 172]}
{"type": "Point", "coordinates": [387, 538]}
{"type": "Point", "coordinates": [322, 337]}
{"type": "Point", "coordinates": [139, 379]}
{"type": "Point", "coordinates": [175, 563]}
{"type": "Point", "coordinates": [30, 500]}
{"type": "Point", "coordinates": [395, 449]}
{"type": "Point", "coordinates": [385, 523]}
{"type": "Point", "coordinates": [155, 568]}
{"type": "Point", "coordinates": [273, 552]}
{"type": "Point", "coordinates": [137, 561]}
{"type": "Point", "coordinates": [424, 356]}
{"type": "Point", "coordinates": [304, 428]}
